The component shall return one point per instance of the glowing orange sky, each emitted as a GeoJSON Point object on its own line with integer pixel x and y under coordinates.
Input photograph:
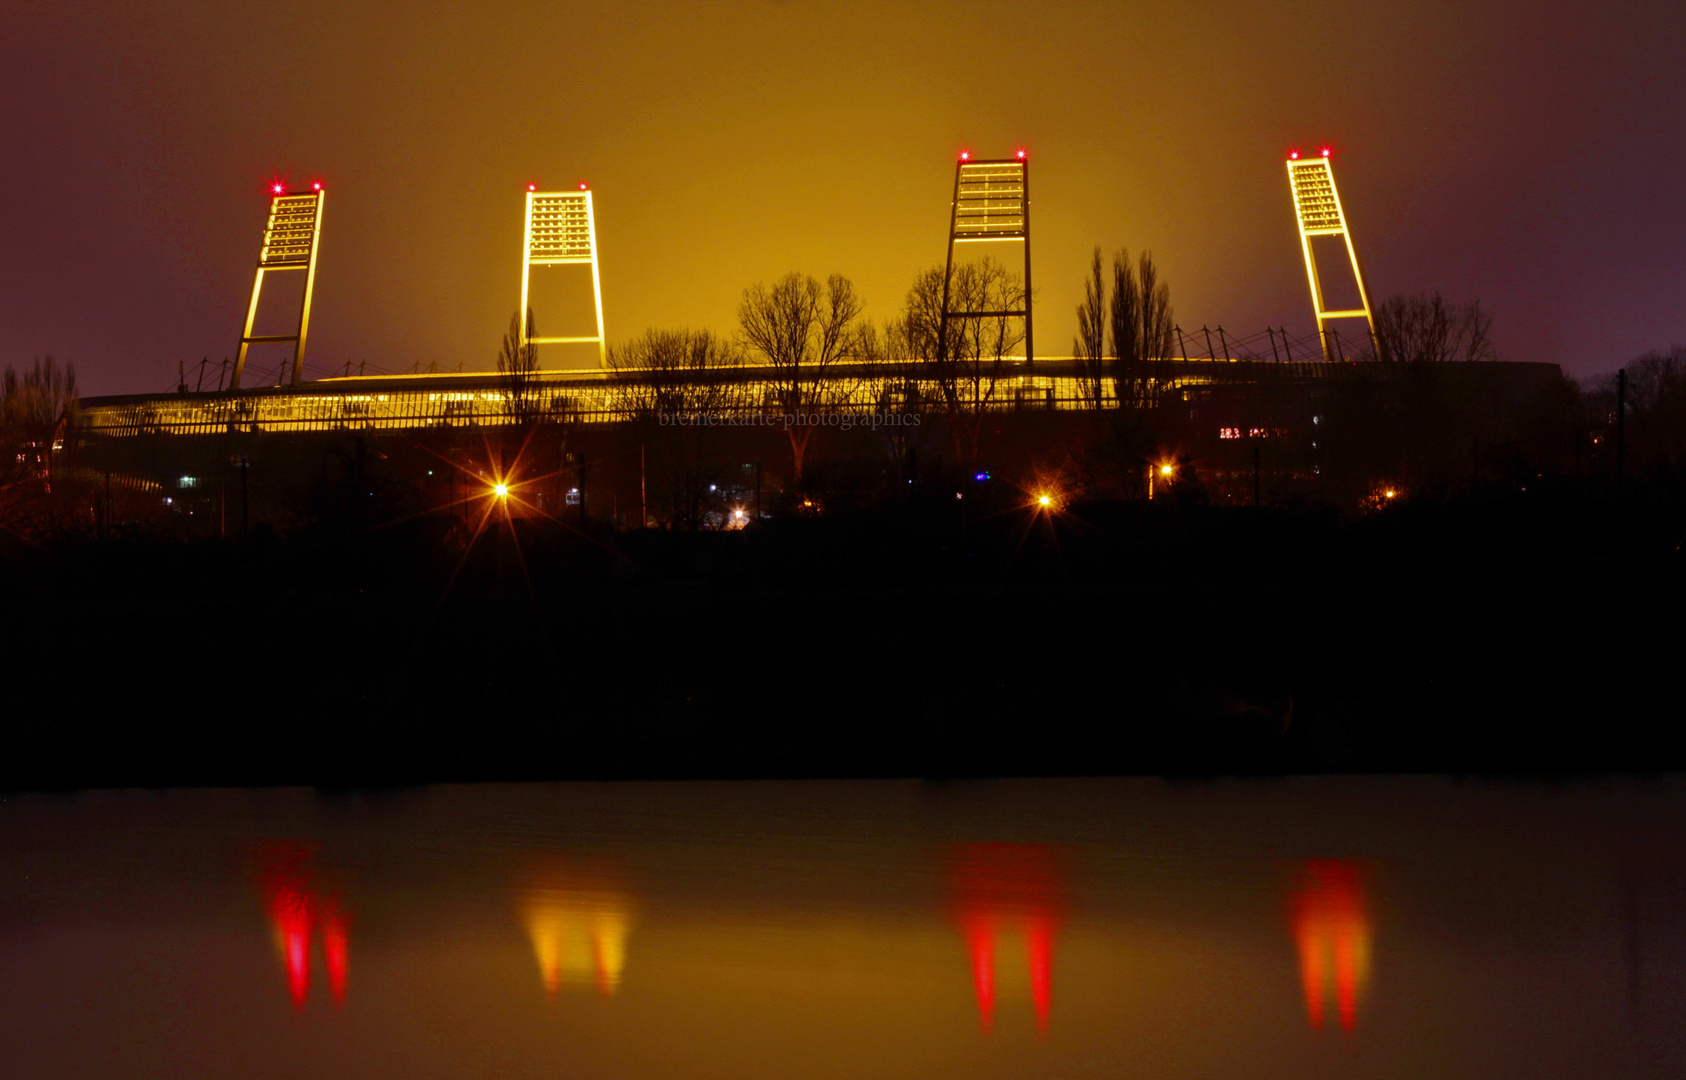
{"type": "Point", "coordinates": [1525, 153]}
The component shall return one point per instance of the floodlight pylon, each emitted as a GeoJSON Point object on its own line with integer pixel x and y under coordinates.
{"type": "Point", "coordinates": [290, 241]}
{"type": "Point", "coordinates": [1317, 209]}
{"type": "Point", "coordinates": [991, 203]}
{"type": "Point", "coordinates": [560, 231]}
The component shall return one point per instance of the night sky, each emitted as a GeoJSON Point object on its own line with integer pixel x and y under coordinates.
{"type": "Point", "coordinates": [1529, 154]}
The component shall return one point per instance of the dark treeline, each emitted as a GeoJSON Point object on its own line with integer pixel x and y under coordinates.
{"type": "Point", "coordinates": [1466, 634]}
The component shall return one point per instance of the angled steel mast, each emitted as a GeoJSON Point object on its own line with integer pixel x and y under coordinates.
{"type": "Point", "coordinates": [1317, 208]}
{"type": "Point", "coordinates": [290, 240]}
{"type": "Point", "coordinates": [991, 203]}
{"type": "Point", "coordinates": [561, 231]}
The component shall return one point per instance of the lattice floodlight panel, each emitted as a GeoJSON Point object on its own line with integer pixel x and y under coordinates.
{"type": "Point", "coordinates": [1315, 202]}
{"type": "Point", "coordinates": [559, 228]}
{"type": "Point", "coordinates": [989, 201]}
{"type": "Point", "coordinates": [290, 237]}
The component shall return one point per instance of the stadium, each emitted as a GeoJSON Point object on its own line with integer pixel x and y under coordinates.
{"type": "Point", "coordinates": [1263, 418]}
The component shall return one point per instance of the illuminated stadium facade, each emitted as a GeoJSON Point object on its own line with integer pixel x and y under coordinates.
{"type": "Point", "coordinates": [407, 402]}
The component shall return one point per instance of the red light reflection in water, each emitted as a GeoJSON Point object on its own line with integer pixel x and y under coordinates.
{"type": "Point", "coordinates": [1011, 886]}
{"type": "Point", "coordinates": [1330, 917]}
{"type": "Point", "coordinates": [299, 909]}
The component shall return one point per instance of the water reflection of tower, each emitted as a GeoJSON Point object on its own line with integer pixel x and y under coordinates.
{"type": "Point", "coordinates": [1000, 887]}
{"type": "Point", "coordinates": [1330, 917]}
{"type": "Point", "coordinates": [300, 908]}
{"type": "Point", "coordinates": [577, 915]}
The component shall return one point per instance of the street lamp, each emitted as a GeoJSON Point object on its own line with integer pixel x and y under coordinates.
{"type": "Point", "coordinates": [1166, 470]}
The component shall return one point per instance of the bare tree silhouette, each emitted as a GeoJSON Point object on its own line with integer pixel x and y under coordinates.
{"type": "Point", "coordinates": [1141, 323]}
{"type": "Point", "coordinates": [670, 384]}
{"type": "Point", "coordinates": [518, 363]}
{"type": "Point", "coordinates": [969, 371]}
{"type": "Point", "coordinates": [1427, 329]}
{"type": "Point", "coordinates": [801, 329]}
{"type": "Point", "coordinates": [1089, 346]}
{"type": "Point", "coordinates": [37, 413]}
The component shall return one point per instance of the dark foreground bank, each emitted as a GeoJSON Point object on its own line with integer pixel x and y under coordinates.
{"type": "Point", "coordinates": [1104, 639]}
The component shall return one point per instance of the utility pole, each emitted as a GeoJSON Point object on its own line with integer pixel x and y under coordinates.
{"type": "Point", "coordinates": [1621, 431]}
{"type": "Point", "coordinates": [579, 459]}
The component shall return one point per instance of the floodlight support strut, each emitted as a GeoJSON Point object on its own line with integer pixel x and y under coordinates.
{"type": "Point", "coordinates": [558, 242]}
{"type": "Point", "coordinates": [1318, 212]}
{"type": "Point", "coordinates": [281, 251]}
{"type": "Point", "coordinates": [1000, 232]}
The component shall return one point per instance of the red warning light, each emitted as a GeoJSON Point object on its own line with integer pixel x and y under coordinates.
{"type": "Point", "coordinates": [532, 187]}
{"type": "Point", "coordinates": [317, 186]}
{"type": "Point", "coordinates": [1293, 155]}
{"type": "Point", "coordinates": [1021, 154]}
{"type": "Point", "coordinates": [1325, 151]}
{"type": "Point", "coordinates": [965, 155]}
{"type": "Point", "coordinates": [583, 187]}
{"type": "Point", "coordinates": [277, 188]}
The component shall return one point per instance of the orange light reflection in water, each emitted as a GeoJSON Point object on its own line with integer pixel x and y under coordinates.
{"type": "Point", "coordinates": [1017, 886]}
{"type": "Point", "coordinates": [1330, 917]}
{"type": "Point", "coordinates": [578, 917]}
{"type": "Point", "coordinates": [299, 908]}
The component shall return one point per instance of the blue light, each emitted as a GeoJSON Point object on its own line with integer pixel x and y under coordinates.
{"type": "Point", "coordinates": [981, 477]}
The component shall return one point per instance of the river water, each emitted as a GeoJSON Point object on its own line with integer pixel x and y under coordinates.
{"type": "Point", "coordinates": [1327, 927]}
